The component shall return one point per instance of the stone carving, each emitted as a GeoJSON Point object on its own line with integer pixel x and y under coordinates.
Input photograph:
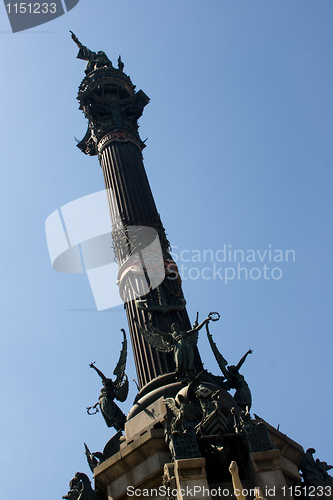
{"type": "Point", "coordinates": [80, 488]}
{"type": "Point", "coordinates": [314, 472]}
{"type": "Point", "coordinates": [111, 390]}
{"type": "Point", "coordinates": [237, 485]}
{"type": "Point", "coordinates": [169, 481]}
{"type": "Point", "coordinates": [181, 342]}
{"type": "Point", "coordinates": [235, 380]}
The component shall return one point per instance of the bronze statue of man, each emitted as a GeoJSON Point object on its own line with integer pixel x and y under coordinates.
{"type": "Point", "coordinates": [96, 60]}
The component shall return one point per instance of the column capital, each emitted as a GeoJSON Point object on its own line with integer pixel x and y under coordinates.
{"type": "Point", "coordinates": [108, 100]}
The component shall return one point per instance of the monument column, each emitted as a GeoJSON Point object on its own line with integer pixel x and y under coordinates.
{"type": "Point", "coordinates": [108, 100]}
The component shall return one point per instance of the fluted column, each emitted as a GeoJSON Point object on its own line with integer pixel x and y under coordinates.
{"type": "Point", "coordinates": [109, 101]}
{"type": "Point", "coordinates": [124, 174]}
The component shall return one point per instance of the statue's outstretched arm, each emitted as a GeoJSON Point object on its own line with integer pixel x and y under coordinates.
{"type": "Point", "coordinates": [197, 328]}
{"type": "Point", "coordinates": [221, 361]}
{"type": "Point", "coordinates": [195, 324]}
{"type": "Point", "coordinates": [101, 374]}
{"type": "Point", "coordinates": [206, 321]}
{"type": "Point", "coordinates": [241, 361]}
{"type": "Point", "coordinates": [84, 53]}
{"type": "Point", "coordinates": [76, 40]}
{"type": "Point", "coordinates": [94, 407]}
{"type": "Point", "coordinates": [236, 483]}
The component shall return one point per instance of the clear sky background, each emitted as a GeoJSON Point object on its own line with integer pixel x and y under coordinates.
{"type": "Point", "coordinates": [239, 153]}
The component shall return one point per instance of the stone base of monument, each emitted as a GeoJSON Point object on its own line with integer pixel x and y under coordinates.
{"type": "Point", "coordinates": [276, 471]}
{"type": "Point", "coordinates": [137, 466]}
{"type": "Point", "coordinates": [143, 467]}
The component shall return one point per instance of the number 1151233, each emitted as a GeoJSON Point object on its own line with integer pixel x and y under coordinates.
{"type": "Point", "coordinates": [31, 8]}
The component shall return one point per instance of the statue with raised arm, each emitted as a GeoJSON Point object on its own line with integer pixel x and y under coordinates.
{"type": "Point", "coordinates": [238, 487]}
{"type": "Point", "coordinates": [182, 343]}
{"type": "Point", "coordinates": [235, 380]}
{"type": "Point", "coordinates": [111, 390]}
{"type": "Point", "coordinates": [96, 60]}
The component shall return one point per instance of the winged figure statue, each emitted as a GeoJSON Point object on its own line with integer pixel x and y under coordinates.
{"type": "Point", "coordinates": [185, 406]}
{"type": "Point", "coordinates": [234, 380]}
{"type": "Point", "coordinates": [182, 343]}
{"type": "Point", "coordinates": [117, 389]}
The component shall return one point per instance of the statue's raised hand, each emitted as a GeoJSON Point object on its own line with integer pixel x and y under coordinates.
{"type": "Point", "coordinates": [75, 39]}
{"type": "Point", "coordinates": [233, 468]}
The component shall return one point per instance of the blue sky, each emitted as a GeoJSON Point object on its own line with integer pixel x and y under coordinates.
{"type": "Point", "coordinates": [239, 153]}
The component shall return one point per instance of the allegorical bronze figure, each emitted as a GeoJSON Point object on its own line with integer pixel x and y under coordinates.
{"type": "Point", "coordinates": [315, 473]}
{"type": "Point", "coordinates": [80, 488]}
{"type": "Point", "coordinates": [111, 390]}
{"type": "Point", "coordinates": [181, 342]}
{"type": "Point", "coordinates": [235, 380]}
{"type": "Point", "coordinates": [93, 459]}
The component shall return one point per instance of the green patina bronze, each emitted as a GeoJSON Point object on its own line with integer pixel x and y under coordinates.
{"type": "Point", "coordinates": [117, 389]}
{"type": "Point", "coordinates": [234, 380]}
{"type": "Point", "coordinates": [80, 488]}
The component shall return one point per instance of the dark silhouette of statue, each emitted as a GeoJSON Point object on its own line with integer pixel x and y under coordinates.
{"type": "Point", "coordinates": [235, 380]}
{"type": "Point", "coordinates": [96, 60]}
{"type": "Point", "coordinates": [181, 342]}
{"type": "Point", "coordinates": [185, 407]}
{"type": "Point", "coordinates": [111, 390]}
{"type": "Point", "coordinates": [315, 473]}
{"type": "Point", "coordinates": [93, 459]}
{"type": "Point", "coordinates": [80, 488]}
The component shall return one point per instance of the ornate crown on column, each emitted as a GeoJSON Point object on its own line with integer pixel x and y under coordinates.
{"type": "Point", "coordinates": [108, 100]}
